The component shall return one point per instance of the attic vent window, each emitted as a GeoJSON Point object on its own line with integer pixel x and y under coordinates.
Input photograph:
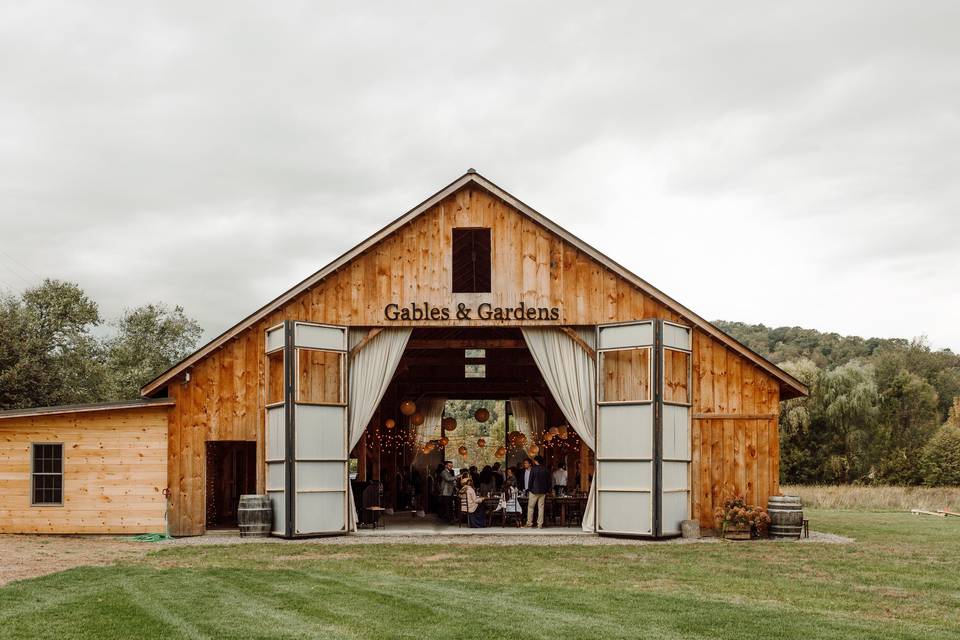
{"type": "Point", "coordinates": [471, 260]}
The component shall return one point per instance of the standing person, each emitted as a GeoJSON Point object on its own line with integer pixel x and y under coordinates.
{"type": "Point", "coordinates": [475, 476]}
{"type": "Point", "coordinates": [537, 482]}
{"type": "Point", "coordinates": [560, 480]}
{"type": "Point", "coordinates": [498, 476]}
{"type": "Point", "coordinates": [448, 491]}
{"type": "Point", "coordinates": [524, 475]}
{"type": "Point", "coordinates": [488, 482]}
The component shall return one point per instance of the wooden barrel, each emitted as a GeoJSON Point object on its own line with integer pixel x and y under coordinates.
{"type": "Point", "coordinates": [786, 516]}
{"type": "Point", "coordinates": [254, 516]}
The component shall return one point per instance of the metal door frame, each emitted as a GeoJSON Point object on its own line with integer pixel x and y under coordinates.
{"type": "Point", "coordinates": [291, 359]}
{"type": "Point", "coordinates": [654, 367]}
{"type": "Point", "coordinates": [657, 382]}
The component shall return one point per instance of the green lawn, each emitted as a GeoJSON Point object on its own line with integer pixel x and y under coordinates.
{"type": "Point", "coordinates": [901, 579]}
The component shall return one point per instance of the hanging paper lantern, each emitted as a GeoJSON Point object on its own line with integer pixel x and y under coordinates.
{"type": "Point", "coordinates": [501, 452]}
{"type": "Point", "coordinates": [482, 415]}
{"type": "Point", "coordinates": [554, 431]}
{"type": "Point", "coordinates": [548, 436]}
{"type": "Point", "coordinates": [417, 419]}
{"type": "Point", "coordinates": [390, 423]}
{"type": "Point", "coordinates": [444, 441]}
{"type": "Point", "coordinates": [481, 443]}
{"type": "Point", "coordinates": [518, 438]}
{"type": "Point", "coordinates": [462, 450]}
{"type": "Point", "coordinates": [408, 408]}
{"type": "Point", "coordinates": [448, 423]}
{"type": "Point", "coordinates": [562, 432]}
{"type": "Point", "coordinates": [533, 450]}
{"type": "Point", "coordinates": [426, 448]}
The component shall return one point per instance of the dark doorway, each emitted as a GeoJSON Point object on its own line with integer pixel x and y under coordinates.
{"type": "Point", "coordinates": [231, 471]}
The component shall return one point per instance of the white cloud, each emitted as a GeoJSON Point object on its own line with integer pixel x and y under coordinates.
{"type": "Point", "coordinates": [804, 157]}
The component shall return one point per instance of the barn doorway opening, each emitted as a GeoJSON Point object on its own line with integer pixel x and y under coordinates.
{"type": "Point", "coordinates": [231, 472]}
{"type": "Point", "coordinates": [480, 401]}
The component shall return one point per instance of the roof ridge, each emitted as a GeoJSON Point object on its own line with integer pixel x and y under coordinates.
{"type": "Point", "coordinates": [472, 177]}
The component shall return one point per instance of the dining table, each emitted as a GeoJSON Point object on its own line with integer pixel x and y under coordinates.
{"type": "Point", "coordinates": [563, 503]}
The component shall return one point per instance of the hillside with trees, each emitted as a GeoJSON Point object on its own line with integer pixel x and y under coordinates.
{"type": "Point", "coordinates": [883, 411]}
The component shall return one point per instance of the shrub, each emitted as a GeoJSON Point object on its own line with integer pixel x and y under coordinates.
{"type": "Point", "coordinates": [940, 460]}
{"type": "Point", "coordinates": [736, 511]}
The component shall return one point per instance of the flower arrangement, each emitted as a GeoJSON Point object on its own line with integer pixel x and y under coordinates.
{"type": "Point", "coordinates": [737, 515]}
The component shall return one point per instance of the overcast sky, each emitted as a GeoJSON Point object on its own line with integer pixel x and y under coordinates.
{"type": "Point", "coordinates": [783, 163]}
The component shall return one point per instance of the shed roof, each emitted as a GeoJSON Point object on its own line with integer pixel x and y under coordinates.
{"type": "Point", "coordinates": [139, 403]}
{"type": "Point", "coordinates": [790, 387]}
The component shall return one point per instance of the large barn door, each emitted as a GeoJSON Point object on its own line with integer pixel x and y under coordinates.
{"type": "Point", "coordinates": [643, 432]}
{"type": "Point", "coordinates": [676, 344]}
{"type": "Point", "coordinates": [307, 428]}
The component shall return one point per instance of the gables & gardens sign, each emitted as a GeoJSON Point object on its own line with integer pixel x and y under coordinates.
{"type": "Point", "coordinates": [463, 311]}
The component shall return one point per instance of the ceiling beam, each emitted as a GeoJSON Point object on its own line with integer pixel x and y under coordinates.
{"type": "Point", "coordinates": [466, 344]}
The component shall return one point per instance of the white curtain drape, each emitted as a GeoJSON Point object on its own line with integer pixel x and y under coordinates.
{"type": "Point", "coordinates": [371, 370]}
{"type": "Point", "coordinates": [432, 411]}
{"type": "Point", "coordinates": [529, 416]}
{"type": "Point", "coordinates": [571, 377]}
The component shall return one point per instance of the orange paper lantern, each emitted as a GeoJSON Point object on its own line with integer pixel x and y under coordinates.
{"type": "Point", "coordinates": [462, 450]}
{"type": "Point", "coordinates": [500, 452]}
{"type": "Point", "coordinates": [390, 423]}
{"type": "Point", "coordinates": [481, 443]}
{"type": "Point", "coordinates": [408, 408]}
{"type": "Point", "coordinates": [444, 441]}
{"type": "Point", "coordinates": [417, 419]}
{"type": "Point", "coordinates": [482, 415]}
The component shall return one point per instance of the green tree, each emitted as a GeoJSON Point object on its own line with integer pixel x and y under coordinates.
{"type": "Point", "coordinates": [940, 460]}
{"type": "Point", "coordinates": [848, 399]}
{"type": "Point", "coordinates": [48, 354]}
{"type": "Point", "coordinates": [800, 442]}
{"type": "Point", "coordinates": [908, 416]}
{"type": "Point", "coordinates": [148, 340]}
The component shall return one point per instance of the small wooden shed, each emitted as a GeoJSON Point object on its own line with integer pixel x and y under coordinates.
{"type": "Point", "coordinates": [84, 469]}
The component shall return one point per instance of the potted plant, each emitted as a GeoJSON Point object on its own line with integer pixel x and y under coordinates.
{"type": "Point", "coordinates": [741, 521]}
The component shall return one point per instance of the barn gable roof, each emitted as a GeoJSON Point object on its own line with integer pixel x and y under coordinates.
{"type": "Point", "coordinates": [790, 386]}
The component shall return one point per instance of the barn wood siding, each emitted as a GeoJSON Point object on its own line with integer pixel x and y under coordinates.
{"type": "Point", "coordinates": [224, 399]}
{"type": "Point", "coordinates": [114, 472]}
{"type": "Point", "coordinates": [735, 434]}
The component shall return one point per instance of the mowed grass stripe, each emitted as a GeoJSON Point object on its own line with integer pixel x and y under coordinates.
{"type": "Point", "coordinates": [897, 581]}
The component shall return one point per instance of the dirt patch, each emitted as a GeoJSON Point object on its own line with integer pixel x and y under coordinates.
{"type": "Point", "coordinates": [31, 556]}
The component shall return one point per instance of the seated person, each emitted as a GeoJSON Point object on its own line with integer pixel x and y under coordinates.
{"type": "Point", "coordinates": [470, 502]}
{"type": "Point", "coordinates": [508, 501]}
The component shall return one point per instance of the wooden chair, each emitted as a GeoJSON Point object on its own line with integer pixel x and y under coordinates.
{"type": "Point", "coordinates": [574, 513]}
{"type": "Point", "coordinates": [512, 516]}
{"type": "Point", "coordinates": [463, 512]}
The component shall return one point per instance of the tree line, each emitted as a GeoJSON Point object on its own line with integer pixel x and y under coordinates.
{"type": "Point", "coordinates": [880, 411]}
{"type": "Point", "coordinates": [56, 348]}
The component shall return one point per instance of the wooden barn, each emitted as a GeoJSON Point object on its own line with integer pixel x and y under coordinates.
{"type": "Point", "coordinates": [472, 294]}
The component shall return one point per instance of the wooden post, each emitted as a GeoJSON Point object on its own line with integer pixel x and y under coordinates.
{"type": "Point", "coordinates": [585, 467]}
